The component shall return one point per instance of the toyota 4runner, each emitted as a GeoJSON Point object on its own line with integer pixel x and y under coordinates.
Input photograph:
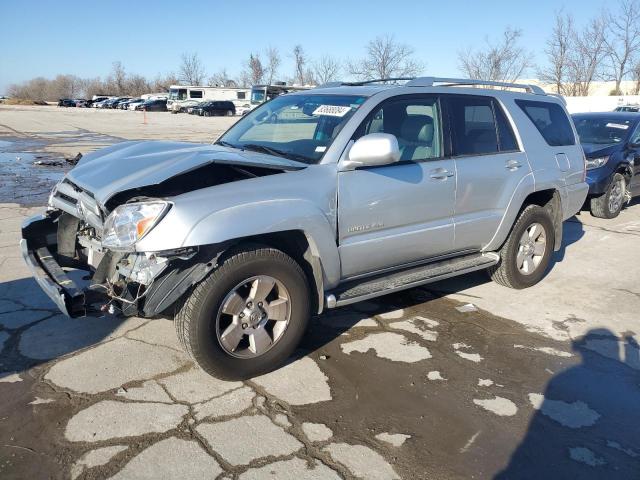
{"type": "Point", "coordinates": [314, 200]}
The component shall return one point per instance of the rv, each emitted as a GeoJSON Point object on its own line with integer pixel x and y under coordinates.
{"type": "Point", "coordinates": [264, 93]}
{"type": "Point", "coordinates": [183, 96]}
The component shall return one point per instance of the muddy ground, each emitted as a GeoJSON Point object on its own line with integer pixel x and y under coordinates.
{"type": "Point", "coordinates": [460, 379]}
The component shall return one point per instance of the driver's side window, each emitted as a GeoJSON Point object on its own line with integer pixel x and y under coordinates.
{"type": "Point", "coordinates": [415, 122]}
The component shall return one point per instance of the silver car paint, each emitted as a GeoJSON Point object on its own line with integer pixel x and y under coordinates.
{"type": "Point", "coordinates": [308, 199]}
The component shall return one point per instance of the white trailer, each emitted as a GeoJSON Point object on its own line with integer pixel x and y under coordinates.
{"type": "Point", "coordinates": [184, 96]}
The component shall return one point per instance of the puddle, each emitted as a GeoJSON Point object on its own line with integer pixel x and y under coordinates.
{"type": "Point", "coordinates": [21, 181]}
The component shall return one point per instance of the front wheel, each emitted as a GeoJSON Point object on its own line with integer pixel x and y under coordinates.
{"type": "Point", "coordinates": [526, 254]}
{"type": "Point", "coordinates": [609, 204]}
{"type": "Point", "coordinates": [248, 316]}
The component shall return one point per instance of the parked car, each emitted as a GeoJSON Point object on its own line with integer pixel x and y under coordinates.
{"type": "Point", "coordinates": [156, 105]}
{"type": "Point", "coordinates": [193, 110]}
{"type": "Point", "coordinates": [314, 200]}
{"type": "Point", "coordinates": [243, 109]}
{"type": "Point", "coordinates": [134, 103]}
{"type": "Point", "coordinates": [628, 108]}
{"type": "Point", "coordinates": [66, 102]}
{"type": "Point", "coordinates": [216, 108]}
{"type": "Point", "coordinates": [611, 143]}
{"type": "Point", "coordinates": [82, 103]}
{"type": "Point", "coordinates": [125, 104]}
{"type": "Point", "coordinates": [97, 100]}
{"type": "Point", "coordinates": [101, 103]}
{"type": "Point", "coordinates": [116, 103]}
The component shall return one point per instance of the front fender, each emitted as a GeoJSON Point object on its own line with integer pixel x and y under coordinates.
{"type": "Point", "coordinates": [246, 220]}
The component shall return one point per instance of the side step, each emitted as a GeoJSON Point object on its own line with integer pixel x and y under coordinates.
{"type": "Point", "coordinates": [358, 290]}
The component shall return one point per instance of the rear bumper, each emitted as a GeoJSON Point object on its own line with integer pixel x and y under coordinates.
{"type": "Point", "coordinates": [573, 197]}
{"type": "Point", "coordinates": [36, 235]}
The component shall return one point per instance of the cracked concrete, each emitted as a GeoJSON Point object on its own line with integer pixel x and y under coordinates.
{"type": "Point", "coordinates": [405, 386]}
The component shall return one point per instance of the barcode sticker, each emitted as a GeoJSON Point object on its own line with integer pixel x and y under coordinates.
{"type": "Point", "coordinates": [332, 110]}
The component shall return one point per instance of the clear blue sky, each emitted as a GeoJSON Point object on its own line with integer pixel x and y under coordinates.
{"type": "Point", "coordinates": [84, 37]}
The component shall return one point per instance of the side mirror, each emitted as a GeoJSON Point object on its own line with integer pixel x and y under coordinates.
{"type": "Point", "coordinates": [373, 150]}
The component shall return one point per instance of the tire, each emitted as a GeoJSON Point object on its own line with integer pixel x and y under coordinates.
{"type": "Point", "coordinates": [199, 320]}
{"type": "Point", "coordinates": [609, 204]}
{"type": "Point", "coordinates": [206, 113]}
{"type": "Point", "coordinates": [229, 113]}
{"type": "Point", "coordinates": [510, 271]}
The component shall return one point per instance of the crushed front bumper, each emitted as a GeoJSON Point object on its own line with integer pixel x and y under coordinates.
{"type": "Point", "coordinates": [38, 233]}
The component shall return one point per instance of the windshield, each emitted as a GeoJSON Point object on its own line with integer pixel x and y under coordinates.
{"type": "Point", "coordinates": [602, 130]}
{"type": "Point", "coordinates": [257, 96]}
{"type": "Point", "coordinates": [298, 127]}
{"type": "Point", "coordinates": [177, 93]}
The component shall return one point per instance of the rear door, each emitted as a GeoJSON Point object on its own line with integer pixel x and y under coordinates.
{"type": "Point", "coordinates": [397, 214]}
{"type": "Point", "coordinates": [635, 156]}
{"type": "Point", "coordinates": [489, 163]}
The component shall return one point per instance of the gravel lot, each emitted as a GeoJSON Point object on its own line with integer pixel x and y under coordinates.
{"type": "Point", "coordinates": [460, 379]}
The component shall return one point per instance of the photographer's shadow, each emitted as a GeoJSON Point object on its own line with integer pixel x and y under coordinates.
{"type": "Point", "coordinates": [586, 425]}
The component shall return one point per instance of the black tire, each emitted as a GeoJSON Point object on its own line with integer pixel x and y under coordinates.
{"type": "Point", "coordinates": [206, 113]}
{"type": "Point", "coordinates": [195, 320]}
{"type": "Point", "coordinates": [601, 206]}
{"type": "Point", "coordinates": [229, 113]}
{"type": "Point", "coordinates": [506, 271]}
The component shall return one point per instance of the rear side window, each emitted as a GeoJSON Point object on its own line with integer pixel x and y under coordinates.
{"type": "Point", "coordinates": [550, 120]}
{"type": "Point", "coordinates": [473, 125]}
{"type": "Point", "coordinates": [196, 93]}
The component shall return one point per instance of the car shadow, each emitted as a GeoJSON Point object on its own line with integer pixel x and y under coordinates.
{"type": "Point", "coordinates": [585, 426]}
{"type": "Point", "coordinates": [33, 331]}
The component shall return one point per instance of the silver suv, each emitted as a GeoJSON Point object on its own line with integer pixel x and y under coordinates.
{"type": "Point", "coordinates": [314, 200]}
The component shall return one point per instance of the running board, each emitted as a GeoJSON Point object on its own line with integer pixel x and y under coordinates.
{"type": "Point", "coordinates": [358, 290]}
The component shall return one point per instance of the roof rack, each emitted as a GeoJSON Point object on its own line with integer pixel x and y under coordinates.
{"type": "Point", "coordinates": [432, 81]}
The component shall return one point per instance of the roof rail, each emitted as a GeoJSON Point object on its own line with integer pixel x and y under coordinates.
{"type": "Point", "coordinates": [430, 81]}
{"type": "Point", "coordinates": [365, 82]}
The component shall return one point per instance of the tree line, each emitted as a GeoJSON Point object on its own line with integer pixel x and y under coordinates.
{"type": "Point", "coordinates": [607, 48]}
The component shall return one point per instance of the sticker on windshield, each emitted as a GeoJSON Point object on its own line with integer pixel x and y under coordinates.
{"type": "Point", "coordinates": [332, 110]}
{"type": "Point", "coordinates": [320, 149]}
{"type": "Point", "coordinates": [618, 125]}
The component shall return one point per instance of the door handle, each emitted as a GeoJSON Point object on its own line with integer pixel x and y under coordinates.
{"type": "Point", "coordinates": [441, 174]}
{"type": "Point", "coordinates": [512, 165]}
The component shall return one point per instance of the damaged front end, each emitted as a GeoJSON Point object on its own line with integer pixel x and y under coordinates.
{"type": "Point", "coordinates": [69, 260]}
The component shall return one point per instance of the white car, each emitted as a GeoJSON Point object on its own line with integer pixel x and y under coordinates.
{"type": "Point", "coordinates": [133, 105]}
{"type": "Point", "coordinates": [244, 109]}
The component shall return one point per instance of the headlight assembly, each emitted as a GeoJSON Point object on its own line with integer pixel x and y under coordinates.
{"type": "Point", "coordinates": [128, 223]}
{"type": "Point", "coordinates": [596, 162]}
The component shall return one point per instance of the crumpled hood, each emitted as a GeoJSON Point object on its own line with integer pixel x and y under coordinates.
{"type": "Point", "coordinates": [129, 165]}
{"type": "Point", "coordinates": [594, 150]}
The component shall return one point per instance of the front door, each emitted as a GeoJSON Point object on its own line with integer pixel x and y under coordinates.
{"type": "Point", "coordinates": [401, 213]}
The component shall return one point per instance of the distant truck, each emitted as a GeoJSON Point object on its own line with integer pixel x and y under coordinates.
{"type": "Point", "coordinates": [182, 97]}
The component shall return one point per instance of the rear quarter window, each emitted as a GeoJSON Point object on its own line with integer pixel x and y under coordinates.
{"type": "Point", "coordinates": [551, 121]}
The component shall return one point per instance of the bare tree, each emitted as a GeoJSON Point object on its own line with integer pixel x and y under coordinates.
{"type": "Point", "coordinates": [300, 61]}
{"type": "Point", "coordinates": [503, 61]}
{"type": "Point", "coordinates": [273, 63]}
{"type": "Point", "coordinates": [118, 78]}
{"type": "Point", "coordinates": [137, 85]}
{"type": "Point", "coordinates": [636, 78]}
{"type": "Point", "coordinates": [191, 70]}
{"type": "Point", "coordinates": [222, 79]}
{"type": "Point", "coordinates": [326, 69]}
{"type": "Point", "coordinates": [623, 40]}
{"type": "Point", "coordinates": [162, 83]}
{"type": "Point", "coordinates": [560, 47]}
{"type": "Point", "coordinates": [385, 58]}
{"type": "Point", "coordinates": [254, 73]}
{"type": "Point", "coordinates": [585, 61]}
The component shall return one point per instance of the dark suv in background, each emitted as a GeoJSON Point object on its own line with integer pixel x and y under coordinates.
{"type": "Point", "coordinates": [215, 108]}
{"type": "Point", "coordinates": [611, 143]}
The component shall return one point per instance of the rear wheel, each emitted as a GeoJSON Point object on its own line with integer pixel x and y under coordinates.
{"type": "Point", "coordinates": [609, 204]}
{"type": "Point", "coordinates": [248, 316]}
{"type": "Point", "coordinates": [526, 254]}
{"type": "Point", "coordinates": [229, 113]}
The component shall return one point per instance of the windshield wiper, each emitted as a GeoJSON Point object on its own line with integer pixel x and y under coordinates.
{"type": "Point", "coordinates": [225, 144]}
{"type": "Point", "coordinates": [274, 151]}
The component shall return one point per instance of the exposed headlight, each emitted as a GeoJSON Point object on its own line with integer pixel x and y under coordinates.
{"type": "Point", "coordinates": [596, 162]}
{"type": "Point", "coordinates": [129, 223]}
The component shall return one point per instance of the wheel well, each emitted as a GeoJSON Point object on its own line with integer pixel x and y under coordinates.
{"type": "Point", "coordinates": [625, 170]}
{"type": "Point", "coordinates": [295, 244]}
{"type": "Point", "coordinates": [550, 200]}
